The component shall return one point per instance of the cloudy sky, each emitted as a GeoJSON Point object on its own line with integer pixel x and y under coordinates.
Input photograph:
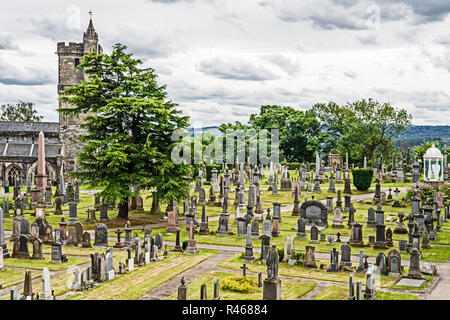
{"type": "Point", "coordinates": [222, 59]}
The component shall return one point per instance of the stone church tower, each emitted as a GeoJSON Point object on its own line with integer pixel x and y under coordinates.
{"type": "Point", "coordinates": [69, 57]}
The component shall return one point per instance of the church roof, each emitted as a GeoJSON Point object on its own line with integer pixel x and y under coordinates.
{"type": "Point", "coordinates": [24, 149]}
{"type": "Point", "coordinates": [29, 127]}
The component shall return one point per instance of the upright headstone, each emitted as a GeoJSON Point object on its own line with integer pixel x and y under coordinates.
{"type": "Point", "coordinates": [101, 235]}
{"type": "Point", "coordinates": [46, 292]}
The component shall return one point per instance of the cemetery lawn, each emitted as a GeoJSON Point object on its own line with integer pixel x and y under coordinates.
{"type": "Point", "coordinates": [383, 295]}
{"type": "Point", "coordinates": [290, 289]}
{"type": "Point", "coordinates": [235, 262]}
{"type": "Point", "coordinates": [435, 253]}
{"type": "Point", "coordinates": [333, 293]}
{"type": "Point", "coordinates": [133, 285]}
{"type": "Point", "coordinates": [46, 262]}
{"type": "Point", "coordinates": [341, 293]}
{"type": "Point", "coordinates": [11, 277]}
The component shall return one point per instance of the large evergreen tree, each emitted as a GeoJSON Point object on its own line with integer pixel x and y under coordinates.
{"type": "Point", "coordinates": [128, 123]}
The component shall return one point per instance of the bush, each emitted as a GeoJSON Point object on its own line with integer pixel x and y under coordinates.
{"type": "Point", "coordinates": [184, 245]}
{"type": "Point", "coordinates": [281, 253]}
{"type": "Point", "coordinates": [239, 284]}
{"type": "Point", "coordinates": [362, 178]}
{"type": "Point", "coordinates": [300, 256]}
{"type": "Point", "coordinates": [293, 165]}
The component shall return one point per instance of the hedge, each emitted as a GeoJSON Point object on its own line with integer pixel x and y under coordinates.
{"type": "Point", "coordinates": [362, 178]}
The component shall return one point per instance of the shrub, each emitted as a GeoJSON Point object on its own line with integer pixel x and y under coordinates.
{"type": "Point", "coordinates": [239, 284]}
{"type": "Point", "coordinates": [362, 178]}
{"type": "Point", "coordinates": [300, 256]}
{"type": "Point", "coordinates": [293, 165]}
{"type": "Point", "coordinates": [281, 253]}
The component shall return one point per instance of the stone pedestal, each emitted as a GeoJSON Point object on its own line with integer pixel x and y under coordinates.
{"type": "Point", "coordinates": [272, 289]}
{"type": "Point", "coordinates": [191, 248]}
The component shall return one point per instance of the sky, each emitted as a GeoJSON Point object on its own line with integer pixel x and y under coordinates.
{"type": "Point", "coordinates": [222, 59]}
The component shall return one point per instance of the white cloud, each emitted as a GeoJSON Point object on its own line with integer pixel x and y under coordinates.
{"type": "Point", "coordinates": [221, 60]}
{"type": "Point", "coordinates": [235, 69]}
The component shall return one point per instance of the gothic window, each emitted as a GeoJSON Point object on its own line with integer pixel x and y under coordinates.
{"type": "Point", "coordinates": [77, 62]}
{"type": "Point", "coordinates": [13, 172]}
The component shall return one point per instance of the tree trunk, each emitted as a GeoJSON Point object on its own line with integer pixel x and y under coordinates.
{"type": "Point", "coordinates": [123, 210]}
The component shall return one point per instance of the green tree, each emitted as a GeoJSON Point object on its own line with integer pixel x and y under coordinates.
{"type": "Point", "coordinates": [363, 128]}
{"type": "Point", "coordinates": [299, 131]}
{"type": "Point", "coordinates": [129, 123]}
{"type": "Point", "coordinates": [420, 150]}
{"type": "Point", "coordinates": [21, 111]}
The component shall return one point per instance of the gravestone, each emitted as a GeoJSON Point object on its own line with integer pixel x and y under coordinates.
{"type": "Point", "coordinates": [380, 240]}
{"type": "Point", "coordinates": [330, 240]}
{"type": "Point", "coordinates": [255, 230]}
{"type": "Point", "coordinates": [57, 255]}
{"type": "Point", "coordinates": [101, 235]}
{"type": "Point", "coordinates": [248, 257]}
{"type": "Point", "coordinates": [192, 245]}
{"type": "Point", "coordinates": [183, 289]}
{"type": "Point", "coordinates": [394, 263]}
{"type": "Point", "coordinates": [223, 226]}
{"type": "Point", "coordinates": [72, 237]}
{"type": "Point", "coordinates": [86, 241]}
{"type": "Point", "coordinates": [314, 234]}
{"type": "Point", "coordinates": [402, 245]}
{"type": "Point", "coordinates": [314, 211]}
{"type": "Point", "coordinates": [23, 248]}
{"type": "Point", "coordinates": [310, 261]}
{"type": "Point", "coordinates": [37, 249]}
{"type": "Point", "coordinates": [334, 261]}
{"type": "Point", "coordinates": [73, 213]}
{"type": "Point", "coordinates": [159, 240]}
{"type": "Point", "coordinates": [371, 290]}
{"type": "Point", "coordinates": [76, 286]}
{"type": "Point", "coordinates": [288, 247]}
{"type": "Point", "coordinates": [400, 227]}
{"type": "Point", "coordinates": [346, 255]}
{"type": "Point", "coordinates": [414, 264]}
{"type": "Point", "coordinates": [351, 291]}
{"type": "Point", "coordinates": [301, 228]}
{"type": "Point", "coordinates": [381, 262]}
{"type": "Point", "coordinates": [110, 274]}
{"type": "Point", "coordinates": [46, 293]}
{"type": "Point", "coordinates": [337, 220]}
{"type": "Point", "coordinates": [78, 231]}
{"type": "Point", "coordinates": [356, 237]}
{"type": "Point", "coordinates": [104, 212]}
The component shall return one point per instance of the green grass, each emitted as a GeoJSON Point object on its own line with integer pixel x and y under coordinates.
{"type": "Point", "coordinates": [12, 277]}
{"type": "Point", "coordinates": [133, 285]}
{"type": "Point", "coordinates": [382, 295]}
{"type": "Point", "coordinates": [290, 289]}
{"type": "Point", "coordinates": [341, 293]}
{"type": "Point", "coordinates": [46, 262]}
{"type": "Point", "coordinates": [333, 293]}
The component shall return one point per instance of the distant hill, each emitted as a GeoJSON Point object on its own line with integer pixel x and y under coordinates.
{"type": "Point", "coordinates": [417, 134]}
{"type": "Point", "coordinates": [196, 131]}
{"type": "Point", "coordinates": [413, 136]}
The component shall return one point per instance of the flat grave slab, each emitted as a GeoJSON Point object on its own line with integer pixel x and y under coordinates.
{"type": "Point", "coordinates": [410, 282]}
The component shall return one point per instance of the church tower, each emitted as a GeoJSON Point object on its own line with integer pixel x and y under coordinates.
{"type": "Point", "coordinates": [69, 57]}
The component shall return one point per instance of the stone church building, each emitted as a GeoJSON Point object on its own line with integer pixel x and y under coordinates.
{"type": "Point", "coordinates": [19, 140]}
